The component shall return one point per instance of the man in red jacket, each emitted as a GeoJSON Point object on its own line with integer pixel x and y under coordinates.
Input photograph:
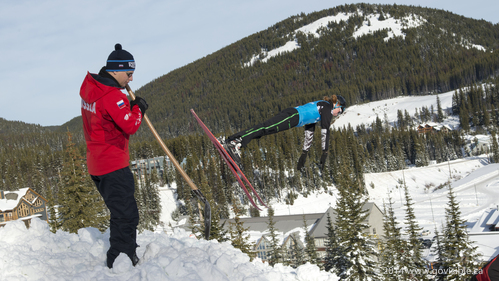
{"type": "Point", "coordinates": [108, 121]}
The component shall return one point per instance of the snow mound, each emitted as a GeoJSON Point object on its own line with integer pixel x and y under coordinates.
{"type": "Point", "coordinates": [38, 254]}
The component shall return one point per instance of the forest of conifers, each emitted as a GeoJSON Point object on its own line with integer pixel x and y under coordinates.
{"type": "Point", "coordinates": [229, 96]}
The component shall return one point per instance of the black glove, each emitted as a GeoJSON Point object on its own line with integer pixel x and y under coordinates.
{"type": "Point", "coordinates": [302, 159]}
{"type": "Point", "coordinates": [141, 103]}
{"type": "Point", "coordinates": [323, 159]}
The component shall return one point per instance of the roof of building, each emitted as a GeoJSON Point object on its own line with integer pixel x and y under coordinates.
{"type": "Point", "coordinates": [11, 198]}
{"type": "Point", "coordinates": [320, 228]}
{"type": "Point", "coordinates": [317, 221]}
{"type": "Point", "coordinates": [487, 219]}
{"type": "Point", "coordinates": [282, 223]}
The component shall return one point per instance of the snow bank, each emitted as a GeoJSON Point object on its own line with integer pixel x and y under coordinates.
{"type": "Point", "coordinates": [38, 254]}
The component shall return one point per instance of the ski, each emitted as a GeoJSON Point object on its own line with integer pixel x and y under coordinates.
{"type": "Point", "coordinates": [241, 178]}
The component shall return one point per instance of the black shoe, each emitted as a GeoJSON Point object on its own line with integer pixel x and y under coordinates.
{"type": "Point", "coordinates": [111, 256]}
{"type": "Point", "coordinates": [135, 260]}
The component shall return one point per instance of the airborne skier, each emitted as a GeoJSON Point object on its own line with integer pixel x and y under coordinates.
{"type": "Point", "coordinates": [305, 115]}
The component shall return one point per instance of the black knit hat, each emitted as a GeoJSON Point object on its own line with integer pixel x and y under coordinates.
{"type": "Point", "coordinates": [120, 60]}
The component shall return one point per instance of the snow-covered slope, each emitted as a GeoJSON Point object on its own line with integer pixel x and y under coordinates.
{"type": "Point", "coordinates": [371, 24]}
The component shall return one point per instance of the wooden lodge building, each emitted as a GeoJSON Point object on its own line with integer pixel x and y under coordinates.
{"type": "Point", "coordinates": [23, 204]}
{"type": "Point", "coordinates": [432, 128]}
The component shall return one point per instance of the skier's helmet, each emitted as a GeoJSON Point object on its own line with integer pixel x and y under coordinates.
{"type": "Point", "coordinates": [343, 103]}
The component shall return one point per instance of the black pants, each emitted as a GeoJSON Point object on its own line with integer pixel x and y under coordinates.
{"type": "Point", "coordinates": [284, 120]}
{"type": "Point", "coordinates": [117, 188]}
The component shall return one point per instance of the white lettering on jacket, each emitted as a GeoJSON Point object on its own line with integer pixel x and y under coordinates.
{"type": "Point", "coordinates": [139, 119]}
{"type": "Point", "coordinates": [88, 106]}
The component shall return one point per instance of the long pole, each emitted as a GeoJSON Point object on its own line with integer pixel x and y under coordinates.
{"type": "Point", "coordinates": [207, 210]}
{"type": "Point", "coordinates": [167, 151]}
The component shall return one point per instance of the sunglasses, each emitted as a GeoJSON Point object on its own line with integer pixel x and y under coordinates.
{"type": "Point", "coordinates": [340, 106]}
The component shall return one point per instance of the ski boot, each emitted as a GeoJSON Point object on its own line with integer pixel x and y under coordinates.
{"type": "Point", "coordinates": [233, 147]}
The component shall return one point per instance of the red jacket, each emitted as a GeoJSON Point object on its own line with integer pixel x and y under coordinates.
{"type": "Point", "coordinates": [108, 123]}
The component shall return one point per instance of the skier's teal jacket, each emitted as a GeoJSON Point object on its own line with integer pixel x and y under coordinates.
{"type": "Point", "coordinates": [309, 113]}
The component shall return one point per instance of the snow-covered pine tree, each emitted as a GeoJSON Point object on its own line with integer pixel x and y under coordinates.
{"type": "Point", "coordinates": [333, 260]}
{"type": "Point", "coordinates": [394, 250]}
{"type": "Point", "coordinates": [415, 264]}
{"type": "Point", "coordinates": [359, 249]}
{"type": "Point", "coordinates": [297, 254]}
{"type": "Point", "coordinates": [439, 265]}
{"type": "Point", "coordinates": [459, 255]}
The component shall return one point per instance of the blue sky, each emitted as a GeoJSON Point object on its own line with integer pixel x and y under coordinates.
{"type": "Point", "coordinates": [46, 47]}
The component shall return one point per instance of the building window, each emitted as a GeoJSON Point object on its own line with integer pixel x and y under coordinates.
{"type": "Point", "coordinates": [30, 196]}
{"type": "Point", "coordinates": [262, 255]}
{"type": "Point", "coordinates": [23, 210]}
{"type": "Point", "coordinates": [38, 203]}
{"type": "Point", "coordinates": [262, 248]}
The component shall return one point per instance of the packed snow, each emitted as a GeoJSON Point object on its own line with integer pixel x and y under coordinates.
{"type": "Point", "coordinates": [38, 254]}
{"type": "Point", "coordinates": [366, 114]}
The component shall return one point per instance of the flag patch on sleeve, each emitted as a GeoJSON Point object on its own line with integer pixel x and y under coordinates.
{"type": "Point", "coordinates": [121, 104]}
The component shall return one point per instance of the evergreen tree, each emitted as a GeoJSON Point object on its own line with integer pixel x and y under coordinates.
{"type": "Point", "coordinates": [485, 116]}
{"type": "Point", "coordinates": [464, 118]}
{"type": "Point", "coordinates": [416, 264]}
{"type": "Point", "coordinates": [297, 253]}
{"type": "Point", "coordinates": [407, 118]}
{"type": "Point", "coordinates": [140, 201]}
{"type": "Point", "coordinates": [460, 257]}
{"type": "Point", "coordinates": [80, 205]}
{"type": "Point", "coordinates": [495, 147]}
{"type": "Point", "coordinates": [393, 256]}
{"type": "Point", "coordinates": [440, 112]}
{"type": "Point", "coordinates": [332, 261]}
{"type": "Point", "coordinates": [217, 231]}
{"type": "Point", "coordinates": [439, 267]}
{"type": "Point", "coordinates": [359, 250]}
{"type": "Point", "coordinates": [239, 239]}
{"type": "Point", "coordinates": [149, 201]}
{"type": "Point", "coordinates": [310, 250]}
{"type": "Point", "coordinates": [168, 172]}
{"type": "Point", "coordinates": [400, 119]}
{"type": "Point", "coordinates": [420, 155]}
{"type": "Point", "coordinates": [53, 221]}
{"type": "Point", "coordinates": [275, 255]}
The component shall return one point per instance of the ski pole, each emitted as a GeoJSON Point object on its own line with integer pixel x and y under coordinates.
{"type": "Point", "coordinates": [195, 190]}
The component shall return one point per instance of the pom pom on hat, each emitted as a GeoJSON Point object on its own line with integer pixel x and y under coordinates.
{"type": "Point", "coordinates": [120, 60]}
